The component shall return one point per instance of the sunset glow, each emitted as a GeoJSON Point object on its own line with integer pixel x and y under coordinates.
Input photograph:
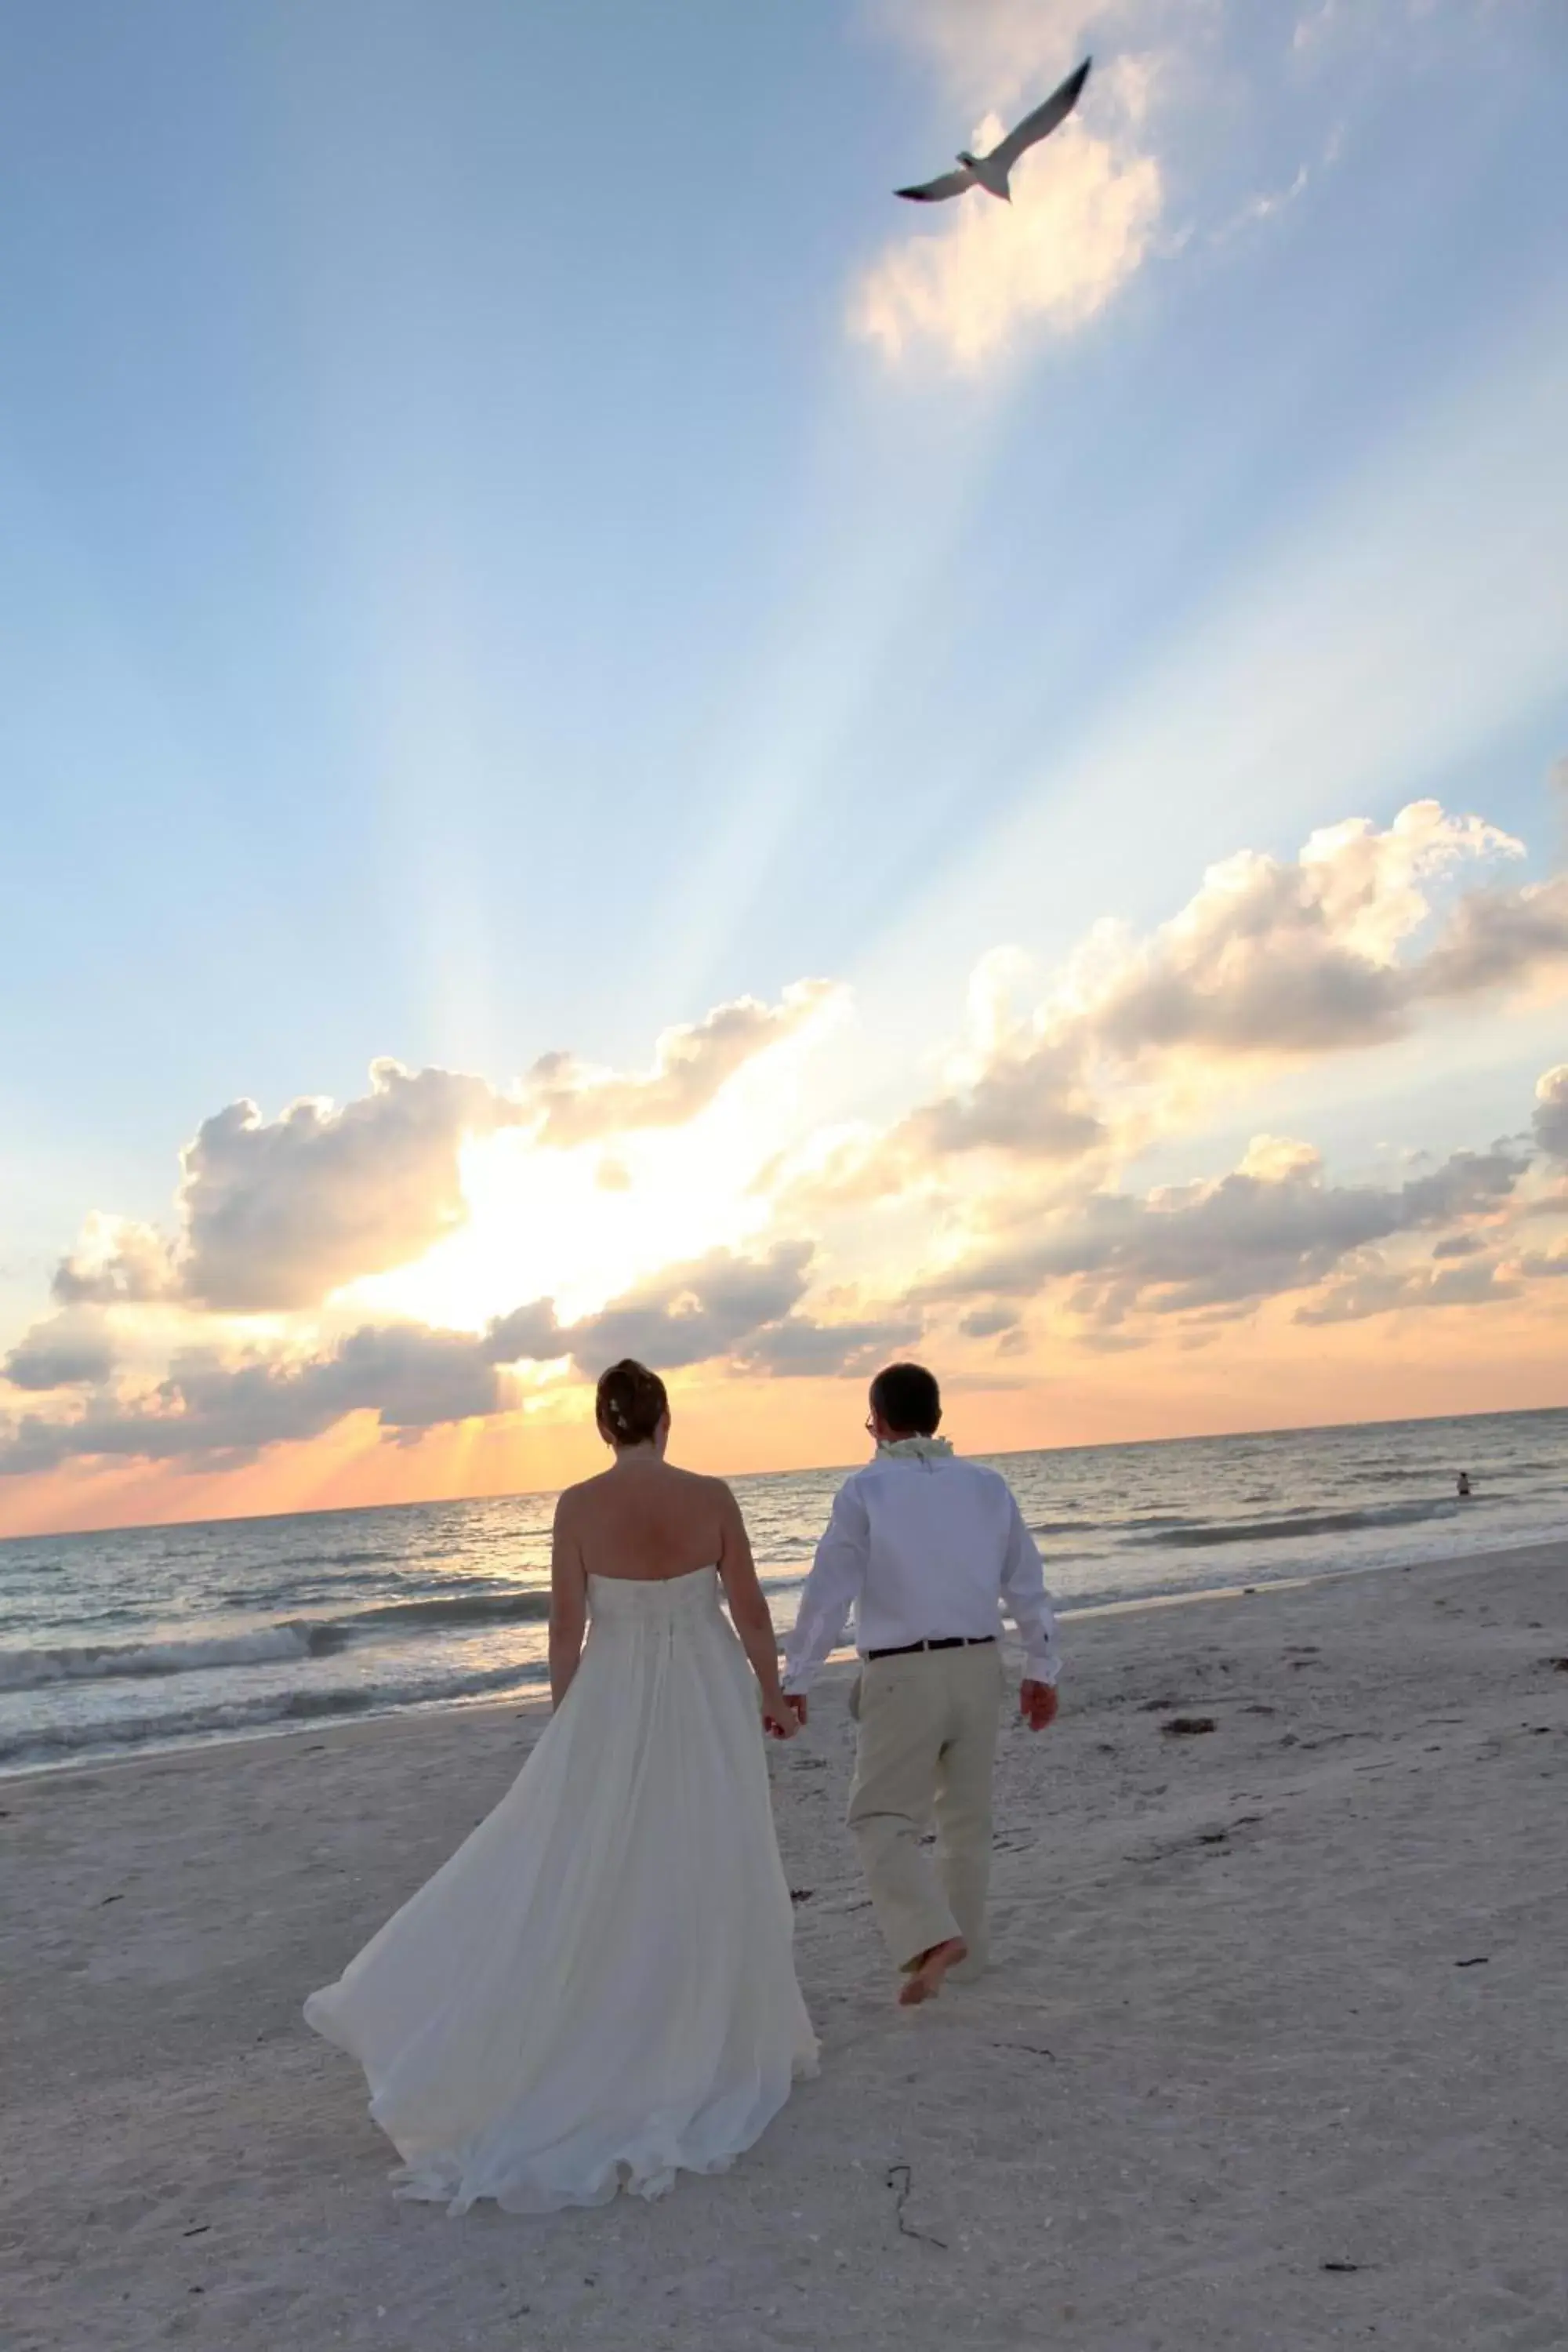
{"type": "Point", "coordinates": [804, 786]}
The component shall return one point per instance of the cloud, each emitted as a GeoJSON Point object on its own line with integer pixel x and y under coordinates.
{"type": "Point", "coordinates": [1551, 1112]}
{"type": "Point", "coordinates": [211, 1408]}
{"type": "Point", "coordinates": [800, 1348]}
{"type": "Point", "coordinates": [685, 1315]}
{"type": "Point", "coordinates": [1499, 938]}
{"type": "Point", "coordinates": [274, 1214]}
{"type": "Point", "coordinates": [528, 1334]}
{"type": "Point", "coordinates": [1033, 1103]}
{"type": "Point", "coordinates": [1081, 221]}
{"type": "Point", "coordinates": [1192, 101]}
{"type": "Point", "coordinates": [1281, 957]}
{"type": "Point", "coordinates": [1088, 206]}
{"type": "Point", "coordinates": [216, 1408]}
{"type": "Point", "coordinates": [1454, 1245]}
{"type": "Point", "coordinates": [1271, 1226]}
{"type": "Point", "coordinates": [720, 1306]}
{"type": "Point", "coordinates": [691, 1064]}
{"type": "Point", "coordinates": [65, 1352]}
{"type": "Point", "coordinates": [691, 1314]}
{"type": "Point", "coordinates": [1385, 1291]}
{"type": "Point", "coordinates": [987, 1322]}
{"type": "Point", "coordinates": [1266, 205]}
{"type": "Point", "coordinates": [1346, 945]}
{"type": "Point", "coordinates": [1271, 958]}
{"type": "Point", "coordinates": [1538, 1266]}
{"type": "Point", "coordinates": [278, 1213]}
{"type": "Point", "coordinates": [117, 1262]}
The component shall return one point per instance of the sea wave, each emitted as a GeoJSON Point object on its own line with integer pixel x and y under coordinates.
{"type": "Point", "coordinates": [45, 1743]}
{"type": "Point", "coordinates": [98, 1660]}
{"type": "Point", "coordinates": [1200, 1536]}
{"type": "Point", "coordinates": [1379, 1474]}
{"type": "Point", "coordinates": [292, 1637]}
{"type": "Point", "coordinates": [512, 1604]}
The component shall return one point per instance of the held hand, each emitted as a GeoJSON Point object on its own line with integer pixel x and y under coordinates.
{"type": "Point", "coordinates": [796, 1702]}
{"type": "Point", "coordinates": [780, 1720]}
{"type": "Point", "coordinates": [1037, 1705]}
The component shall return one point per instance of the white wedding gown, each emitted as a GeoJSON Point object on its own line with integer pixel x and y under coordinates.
{"type": "Point", "coordinates": [598, 1989]}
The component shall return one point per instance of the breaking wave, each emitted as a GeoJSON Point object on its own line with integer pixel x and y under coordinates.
{"type": "Point", "coordinates": [1199, 1535]}
{"type": "Point", "coordinates": [291, 1637]}
{"type": "Point", "coordinates": [50, 1742]}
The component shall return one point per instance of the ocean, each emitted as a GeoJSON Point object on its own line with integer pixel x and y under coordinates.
{"type": "Point", "coordinates": [163, 1637]}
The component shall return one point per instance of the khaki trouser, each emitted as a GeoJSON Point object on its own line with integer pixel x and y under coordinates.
{"type": "Point", "coordinates": [928, 1744]}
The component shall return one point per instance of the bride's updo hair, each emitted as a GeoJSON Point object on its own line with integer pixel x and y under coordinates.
{"type": "Point", "coordinates": [630, 1404]}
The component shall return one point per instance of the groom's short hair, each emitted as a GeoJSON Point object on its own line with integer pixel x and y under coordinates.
{"type": "Point", "coordinates": [907, 1398]}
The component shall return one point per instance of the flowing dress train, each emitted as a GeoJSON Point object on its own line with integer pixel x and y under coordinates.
{"type": "Point", "coordinates": [598, 1989]}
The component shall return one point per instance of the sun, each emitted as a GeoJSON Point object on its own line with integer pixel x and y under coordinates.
{"type": "Point", "coordinates": [585, 1225]}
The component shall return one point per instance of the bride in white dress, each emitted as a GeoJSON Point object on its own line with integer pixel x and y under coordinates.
{"type": "Point", "coordinates": [598, 1989]}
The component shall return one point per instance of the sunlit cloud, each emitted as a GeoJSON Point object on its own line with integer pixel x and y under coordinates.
{"type": "Point", "coordinates": [1082, 219]}
{"type": "Point", "coordinates": [211, 1407]}
{"type": "Point", "coordinates": [705, 1215]}
{"type": "Point", "coordinates": [542, 1220]}
{"type": "Point", "coordinates": [214, 1408]}
{"type": "Point", "coordinates": [275, 1215]}
{"type": "Point", "coordinates": [1551, 1112]}
{"type": "Point", "coordinates": [69, 1350]}
{"type": "Point", "coordinates": [1093, 206]}
{"type": "Point", "coordinates": [1387, 1291]}
{"type": "Point", "coordinates": [1271, 1226]}
{"type": "Point", "coordinates": [1272, 961]}
{"type": "Point", "coordinates": [577, 1105]}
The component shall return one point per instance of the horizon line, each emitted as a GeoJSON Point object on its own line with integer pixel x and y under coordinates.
{"type": "Point", "coordinates": [808, 1470]}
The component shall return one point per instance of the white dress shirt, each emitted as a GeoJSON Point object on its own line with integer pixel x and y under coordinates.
{"type": "Point", "coordinates": [923, 1547]}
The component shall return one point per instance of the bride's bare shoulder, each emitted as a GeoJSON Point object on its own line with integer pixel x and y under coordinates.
{"type": "Point", "coordinates": [572, 1500]}
{"type": "Point", "coordinates": [681, 1489]}
{"type": "Point", "coordinates": [697, 1482]}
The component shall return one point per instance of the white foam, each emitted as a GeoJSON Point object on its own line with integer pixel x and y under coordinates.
{"type": "Point", "coordinates": [87, 1662]}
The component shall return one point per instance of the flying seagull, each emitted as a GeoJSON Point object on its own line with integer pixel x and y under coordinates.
{"type": "Point", "coordinates": [990, 171]}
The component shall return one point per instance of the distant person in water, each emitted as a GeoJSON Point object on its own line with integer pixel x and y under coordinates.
{"type": "Point", "coordinates": [1464, 1485]}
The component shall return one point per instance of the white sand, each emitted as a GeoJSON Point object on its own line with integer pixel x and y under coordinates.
{"type": "Point", "coordinates": [1228, 2044]}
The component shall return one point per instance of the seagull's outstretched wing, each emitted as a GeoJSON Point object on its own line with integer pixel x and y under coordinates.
{"type": "Point", "coordinates": [1044, 119]}
{"type": "Point", "coordinates": [952, 183]}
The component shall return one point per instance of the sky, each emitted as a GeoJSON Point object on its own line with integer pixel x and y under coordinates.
{"type": "Point", "coordinates": [616, 742]}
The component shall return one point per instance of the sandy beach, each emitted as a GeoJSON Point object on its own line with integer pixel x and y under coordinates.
{"type": "Point", "coordinates": [1272, 2053]}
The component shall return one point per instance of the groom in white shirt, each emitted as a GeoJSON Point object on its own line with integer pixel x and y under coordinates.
{"type": "Point", "coordinates": [927, 1551]}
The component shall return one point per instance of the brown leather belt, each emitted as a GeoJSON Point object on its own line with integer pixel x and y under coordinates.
{"type": "Point", "coordinates": [957, 1641]}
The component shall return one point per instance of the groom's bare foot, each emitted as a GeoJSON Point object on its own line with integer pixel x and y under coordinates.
{"type": "Point", "coordinates": [923, 1981]}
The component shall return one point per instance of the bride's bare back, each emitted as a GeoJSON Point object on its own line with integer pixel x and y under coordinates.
{"type": "Point", "coordinates": [642, 1521]}
{"type": "Point", "coordinates": [645, 1520]}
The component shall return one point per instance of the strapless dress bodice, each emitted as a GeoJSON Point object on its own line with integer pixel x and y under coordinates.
{"type": "Point", "coordinates": [695, 1594]}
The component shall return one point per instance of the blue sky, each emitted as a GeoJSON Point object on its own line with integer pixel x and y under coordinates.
{"type": "Point", "coordinates": [466, 588]}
